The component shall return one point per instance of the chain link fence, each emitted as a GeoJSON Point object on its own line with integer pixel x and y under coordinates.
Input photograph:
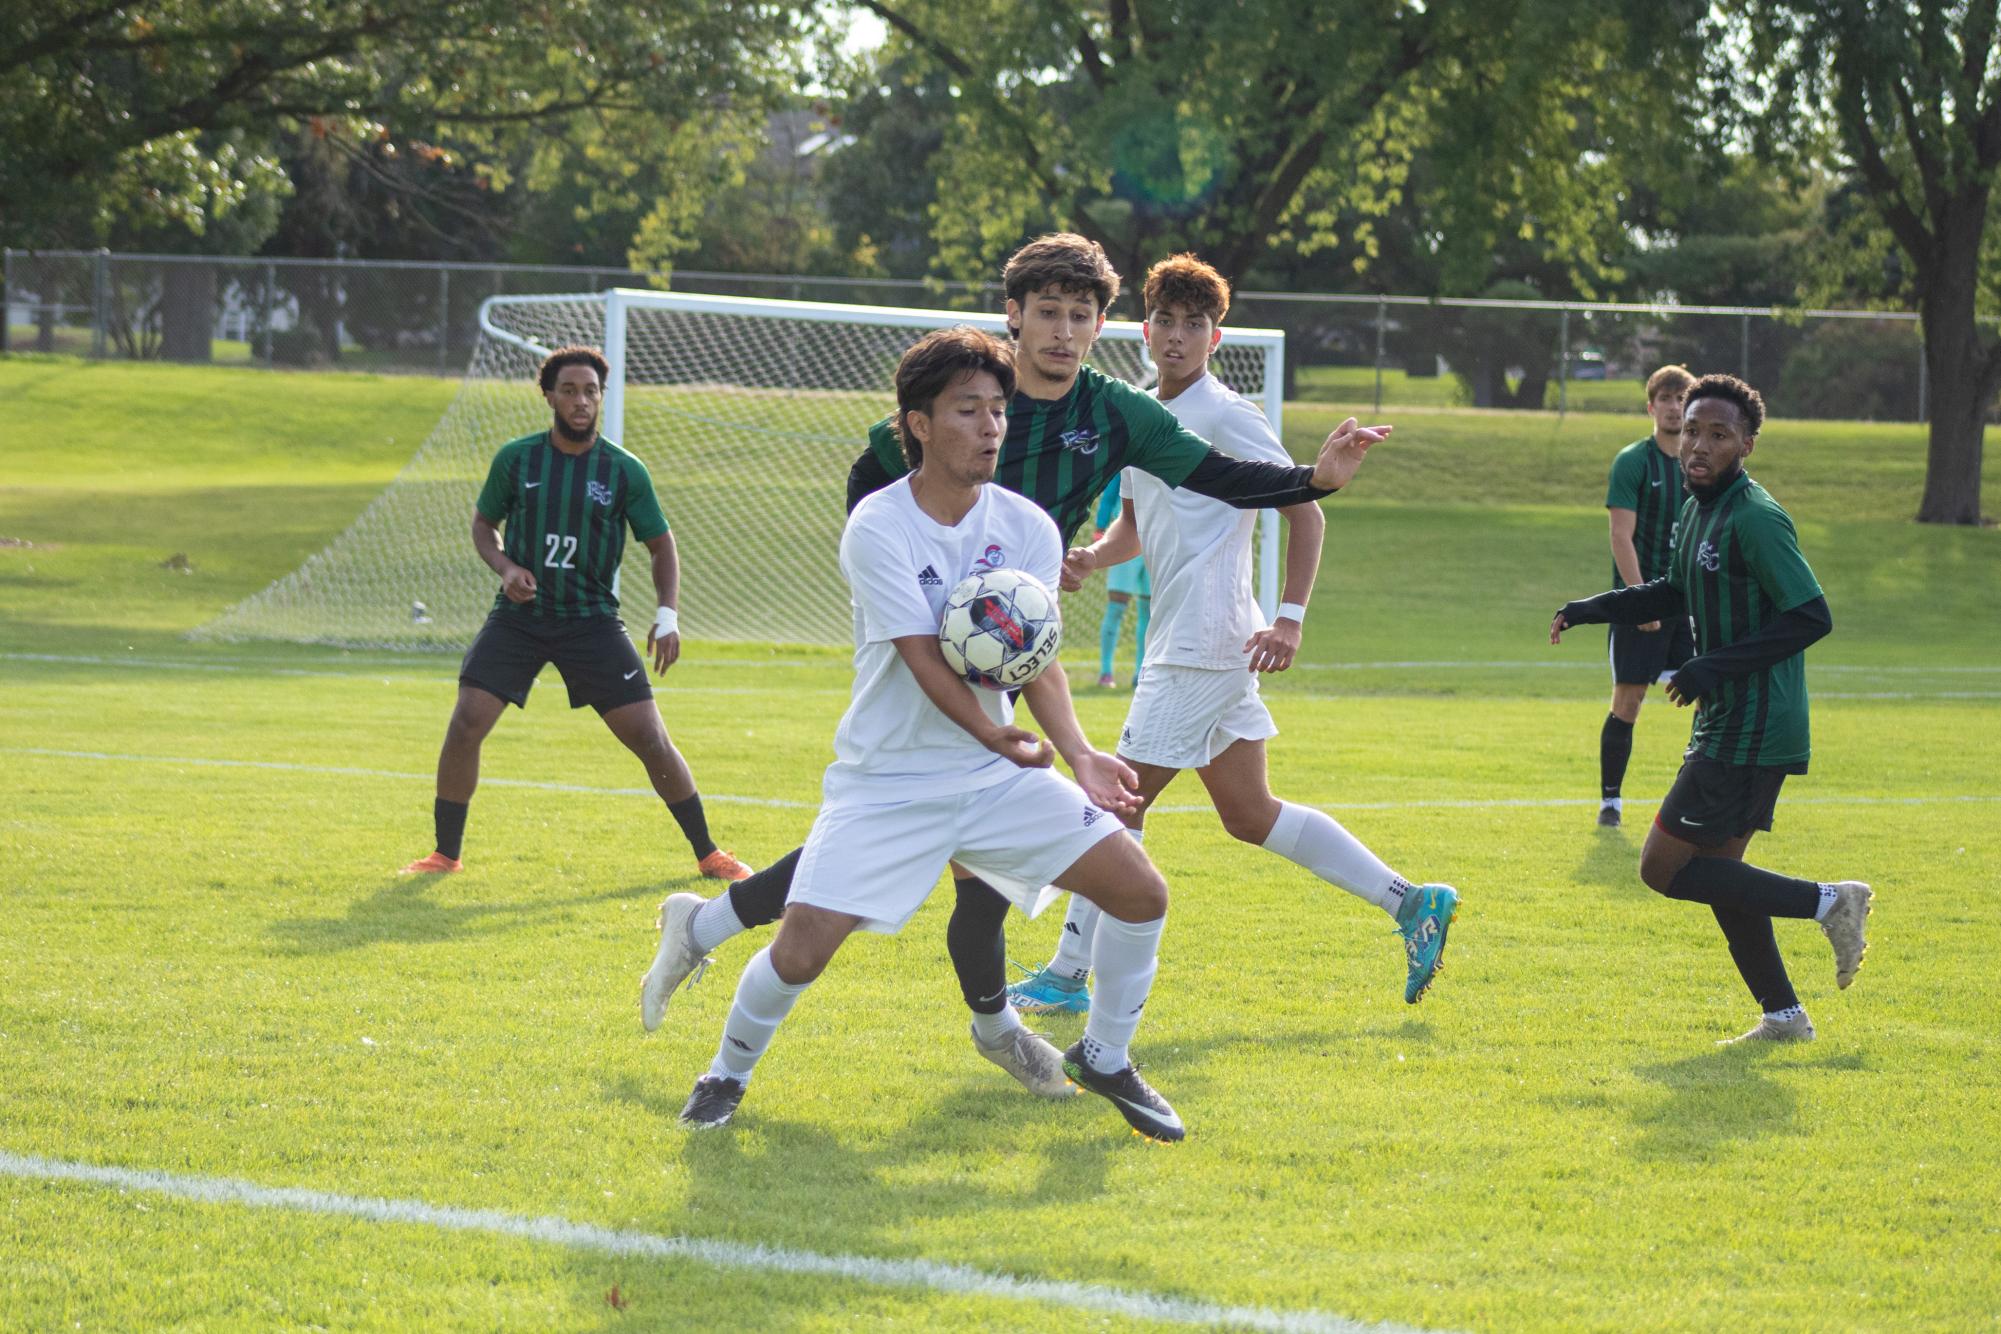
{"type": "Point", "coordinates": [415, 317]}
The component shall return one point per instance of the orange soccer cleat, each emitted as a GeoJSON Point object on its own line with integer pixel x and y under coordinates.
{"type": "Point", "coordinates": [720, 865]}
{"type": "Point", "coordinates": [436, 863]}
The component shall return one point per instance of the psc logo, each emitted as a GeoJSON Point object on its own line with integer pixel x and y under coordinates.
{"type": "Point", "coordinates": [1708, 557]}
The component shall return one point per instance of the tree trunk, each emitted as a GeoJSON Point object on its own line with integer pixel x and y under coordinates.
{"type": "Point", "coordinates": [187, 312]}
{"type": "Point", "coordinates": [1960, 370]}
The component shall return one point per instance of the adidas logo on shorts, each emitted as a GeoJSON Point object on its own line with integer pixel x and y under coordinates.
{"type": "Point", "coordinates": [928, 578]}
{"type": "Point", "coordinates": [1091, 814]}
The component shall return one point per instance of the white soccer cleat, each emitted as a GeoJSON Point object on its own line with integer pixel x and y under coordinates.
{"type": "Point", "coordinates": [1768, 1029]}
{"type": "Point", "coordinates": [1843, 927]}
{"type": "Point", "coordinates": [677, 957]}
{"type": "Point", "coordinates": [1032, 1059]}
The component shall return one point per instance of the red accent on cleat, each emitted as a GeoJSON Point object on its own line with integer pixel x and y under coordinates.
{"type": "Point", "coordinates": [435, 864]}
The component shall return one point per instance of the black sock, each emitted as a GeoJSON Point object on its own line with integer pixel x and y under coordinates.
{"type": "Point", "coordinates": [450, 819]}
{"type": "Point", "coordinates": [694, 824]}
{"type": "Point", "coordinates": [1615, 747]}
{"type": "Point", "coordinates": [1756, 953]}
{"type": "Point", "coordinates": [976, 938]}
{"type": "Point", "coordinates": [1726, 883]}
{"type": "Point", "coordinates": [759, 900]}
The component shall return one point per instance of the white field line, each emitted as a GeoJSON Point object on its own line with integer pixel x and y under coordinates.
{"type": "Point", "coordinates": [401, 672]}
{"type": "Point", "coordinates": [925, 1275]}
{"type": "Point", "coordinates": [1469, 804]}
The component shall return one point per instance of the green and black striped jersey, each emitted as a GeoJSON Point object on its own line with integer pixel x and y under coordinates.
{"type": "Point", "coordinates": [1738, 566]}
{"type": "Point", "coordinates": [1061, 453]}
{"type": "Point", "coordinates": [1649, 483]}
{"type": "Point", "coordinates": [563, 517]}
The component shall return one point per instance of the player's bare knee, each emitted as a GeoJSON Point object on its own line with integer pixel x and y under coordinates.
{"type": "Point", "coordinates": [1659, 866]}
{"type": "Point", "coordinates": [1249, 822]}
{"type": "Point", "coordinates": [1143, 898]}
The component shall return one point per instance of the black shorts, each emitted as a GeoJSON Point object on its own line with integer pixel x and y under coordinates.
{"type": "Point", "coordinates": [1712, 802]}
{"type": "Point", "coordinates": [1641, 657]}
{"type": "Point", "coordinates": [598, 662]}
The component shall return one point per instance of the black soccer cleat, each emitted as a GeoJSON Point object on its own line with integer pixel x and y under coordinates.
{"type": "Point", "coordinates": [1144, 1110]}
{"type": "Point", "coordinates": [1608, 817]}
{"type": "Point", "coordinates": [712, 1102]}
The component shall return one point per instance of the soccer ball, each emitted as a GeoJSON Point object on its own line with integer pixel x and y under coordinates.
{"type": "Point", "coordinates": [1001, 628]}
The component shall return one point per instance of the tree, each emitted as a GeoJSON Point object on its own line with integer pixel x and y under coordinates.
{"type": "Point", "coordinates": [1902, 97]}
{"type": "Point", "coordinates": [88, 87]}
{"type": "Point", "coordinates": [1235, 129]}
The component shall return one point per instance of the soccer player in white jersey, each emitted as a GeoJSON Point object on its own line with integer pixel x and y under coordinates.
{"type": "Point", "coordinates": [929, 770]}
{"type": "Point", "coordinates": [1197, 705]}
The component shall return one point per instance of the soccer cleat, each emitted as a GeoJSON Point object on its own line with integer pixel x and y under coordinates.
{"type": "Point", "coordinates": [712, 1102]}
{"type": "Point", "coordinates": [1843, 927]}
{"type": "Point", "coordinates": [1045, 992]}
{"type": "Point", "coordinates": [1144, 1110]}
{"type": "Point", "coordinates": [1032, 1059]}
{"type": "Point", "coordinates": [721, 865]}
{"type": "Point", "coordinates": [1105, 682]}
{"type": "Point", "coordinates": [1422, 921]}
{"type": "Point", "coordinates": [1608, 817]}
{"type": "Point", "coordinates": [677, 957]}
{"type": "Point", "coordinates": [435, 864]}
{"type": "Point", "coordinates": [1768, 1029]}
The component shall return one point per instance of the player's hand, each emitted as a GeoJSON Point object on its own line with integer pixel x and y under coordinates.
{"type": "Point", "coordinates": [1649, 628]}
{"type": "Point", "coordinates": [1556, 629]}
{"type": "Point", "coordinates": [1274, 649]}
{"type": "Point", "coordinates": [1342, 452]}
{"type": "Point", "coordinates": [1021, 747]}
{"type": "Point", "coordinates": [518, 584]}
{"type": "Point", "coordinates": [1078, 562]}
{"type": "Point", "coordinates": [1108, 781]}
{"type": "Point", "coordinates": [1690, 682]}
{"type": "Point", "coordinates": [665, 650]}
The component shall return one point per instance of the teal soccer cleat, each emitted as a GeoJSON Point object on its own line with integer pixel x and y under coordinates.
{"type": "Point", "coordinates": [1426, 915]}
{"type": "Point", "coordinates": [1045, 992]}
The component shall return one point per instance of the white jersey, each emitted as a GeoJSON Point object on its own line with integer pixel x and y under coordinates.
{"type": "Point", "coordinates": [1197, 549]}
{"type": "Point", "coordinates": [893, 744]}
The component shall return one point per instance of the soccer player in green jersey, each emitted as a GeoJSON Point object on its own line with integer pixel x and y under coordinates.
{"type": "Point", "coordinates": [1070, 430]}
{"type": "Point", "coordinates": [1737, 570]}
{"type": "Point", "coordinates": [1642, 502]}
{"type": "Point", "coordinates": [551, 522]}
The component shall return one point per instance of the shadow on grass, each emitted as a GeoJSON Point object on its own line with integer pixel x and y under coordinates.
{"type": "Point", "coordinates": [1611, 861]}
{"type": "Point", "coordinates": [404, 911]}
{"type": "Point", "coordinates": [1724, 1097]}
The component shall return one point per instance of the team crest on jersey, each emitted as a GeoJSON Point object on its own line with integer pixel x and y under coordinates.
{"type": "Point", "coordinates": [599, 492]}
{"type": "Point", "coordinates": [1708, 557]}
{"type": "Point", "coordinates": [1081, 440]}
{"type": "Point", "coordinates": [993, 558]}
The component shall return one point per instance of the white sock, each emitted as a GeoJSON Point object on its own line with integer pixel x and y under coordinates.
{"type": "Point", "coordinates": [1612, 803]}
{"type": "Point", "coordinates": [715, 922]}
{"type": "Point", "coordinates": [1314, 839]}
{"type": "Point", "coordinates": [1789, 1013]}
{"type": "Point", "coordinates": [993, 1029]}
{"type": "Point", "coordinates": [1828, 894]}
{"type": "Point", "coordinates": [763, 999]}
{"type": "Point", "coordinates": [1125, 956]}
{"type": "Point", "coordinates": [1073, 947]}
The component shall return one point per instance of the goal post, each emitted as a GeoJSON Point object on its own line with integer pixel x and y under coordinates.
{"type": "Point", "coordinates": [748, 412]}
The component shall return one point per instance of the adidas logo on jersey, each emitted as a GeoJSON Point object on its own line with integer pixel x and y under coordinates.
{"type": "Point", "coordinates": [928, 578]}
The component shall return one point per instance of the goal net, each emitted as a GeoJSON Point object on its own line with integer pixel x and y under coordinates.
{"type": "Point", "coordinates": [748, 413]}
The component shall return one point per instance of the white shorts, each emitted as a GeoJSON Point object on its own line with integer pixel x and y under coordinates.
{"type": "Point", "coordinates": [1184, 717]}
{"type": "Point", "coordinates": [880, 860]}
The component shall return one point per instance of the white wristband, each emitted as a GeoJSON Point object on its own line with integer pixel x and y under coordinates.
{"type": "Point", "coordinates": [1292, 611]}
{"type": "Point", "coordinates": [666, 621]}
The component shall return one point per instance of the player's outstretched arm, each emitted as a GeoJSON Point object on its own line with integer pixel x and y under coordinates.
{"type": "Point", "coordinates": [515, 580]}
{"type": "Point", "coordinates": [663, 641]}
{"type": "Point", "coordinates": [955, 699]}
{"type": "Point", "coordinates": [1767, 646]}
{"type": "Point", "coordinates": [1341, 453]}
{"type": "Point", "coordinates": [1653, 601]}
{"type": "Point", "coordinates": [1106, 779]}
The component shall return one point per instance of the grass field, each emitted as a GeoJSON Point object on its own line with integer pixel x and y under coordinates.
{"type": "Point", "coordinates": [215, 974]}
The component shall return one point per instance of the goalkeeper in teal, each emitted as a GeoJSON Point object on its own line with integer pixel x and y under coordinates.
{"type": "Point", "coordinates": [1737, 570]}
{"type": "Point", "coordinates": [1126, 583]}
{"type": "Point", "coordinates": [551, 522]}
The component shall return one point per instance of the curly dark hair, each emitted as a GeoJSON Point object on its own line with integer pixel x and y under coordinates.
{"type": "Point", "coordinates": [574, 355]}
{"type": "Point", "coordinates": [1731, 390]}
{"type": "Point", "coordinates": [933, 364]}
{"type": "Point", "coordinates": [1186, 281]}
{"type": "Point", "coordinates": [1072, 264]}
